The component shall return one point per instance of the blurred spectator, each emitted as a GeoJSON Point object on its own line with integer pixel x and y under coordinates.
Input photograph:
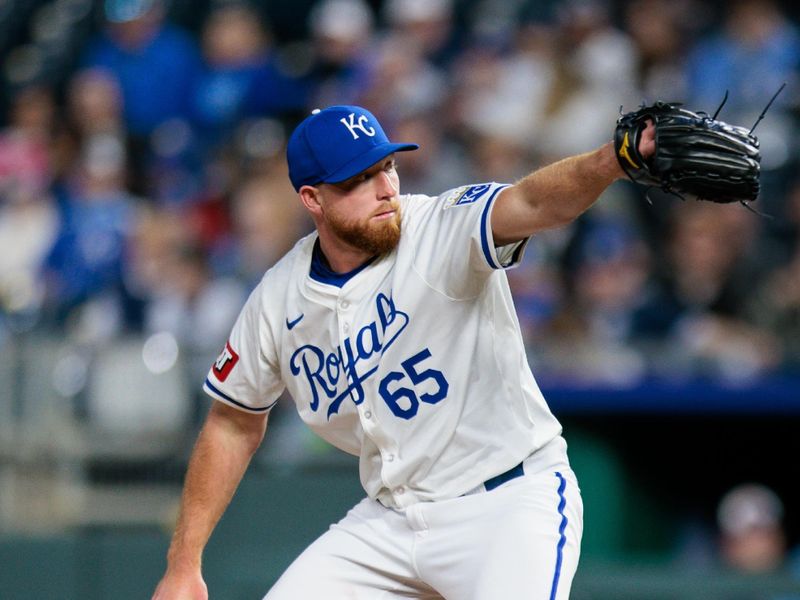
{"type": "Point", "coordinates": [197, 308]}
{"type": "Point", "coordinates": [28, 218]}
{"type": "Point", "coordinates": [342, 34]}
{"type": "Point", "coordinates": [93, 113]}
{"type": "Point", "coordinates": [750, 520]}
{"type": "Point", "coordinates": [32, 112]}
{"type": "Point", "coordinates": [775, 305]}
{"type": "Point", "coordinates": [658, 29]}
{"type": "Point", "coordinates": [592, 339]}
{"type": "Point", "coordinates": [86, 264]}
{"type": "Point", "coordinates": [173, 165]}
{"type": "Point", "coordinates": [751, 56]}
{"type": "Point", "coordinates": [428, 25]}
{"type": "Point", "coordinates": [155, 235]}
{"type": "Point", "coordinates": [241, 76]}
{"type": "Point", "coordinates": [154, 62]}
{"type": "Point", "coordinates": [539, 294]}
{"type": "Point", "coordinates": [256, 152]}
{"type": "Point", "coordinates": [403, 81]}
{"type": "Point", "coordinates": [497, 157]}
{"type": "Point", "coordinates": [505, 93]}
{"type": "Point", "coordinates": [699, 304]}
{"type": "Point", "coordinates": [595, 74]}
{"type": "Point", "coordinates": [95, 104]}
{"type": "Point", "coordinates": [268, 220]}
{"type": "Point", "coordinates": [755, 51]}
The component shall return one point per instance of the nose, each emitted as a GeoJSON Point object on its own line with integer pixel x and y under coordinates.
{"type": "Point", "coordinates": [387, 186]}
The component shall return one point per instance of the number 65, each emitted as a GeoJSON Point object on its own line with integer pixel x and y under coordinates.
{"type": "Point", "coordinates": [393, 398]}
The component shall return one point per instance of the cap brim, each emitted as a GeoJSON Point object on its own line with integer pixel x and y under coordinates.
{"type": "Point", "coordinates": [366, 160]}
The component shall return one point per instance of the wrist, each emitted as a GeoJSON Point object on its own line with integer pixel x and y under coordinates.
{"type": "Point", "coordinates": [608, 162]}
{"type": "Point", "coordinates": [181, 561]}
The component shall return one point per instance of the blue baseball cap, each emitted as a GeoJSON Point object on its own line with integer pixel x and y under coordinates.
{"type": "Point", "coordinates": [336, 143]}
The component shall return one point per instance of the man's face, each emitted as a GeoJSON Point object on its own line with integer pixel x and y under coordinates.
{"type": "Point", "coordinates": [363, 211]}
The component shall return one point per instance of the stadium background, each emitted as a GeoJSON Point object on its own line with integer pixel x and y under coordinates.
{"type": "Point", "coordinates": [143, 193]}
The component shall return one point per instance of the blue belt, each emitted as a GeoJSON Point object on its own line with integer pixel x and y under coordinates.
{"type": "Point", "coordinates": [499, 480]}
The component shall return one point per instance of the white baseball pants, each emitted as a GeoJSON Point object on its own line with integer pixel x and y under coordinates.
{"type": "Point", "coordinates": [518, 541]}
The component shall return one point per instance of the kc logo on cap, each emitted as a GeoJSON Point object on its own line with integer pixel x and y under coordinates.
{"type": "Point", "coordinates": [336, 143]}
{"type": "Point", "coordinates": [352, 125]}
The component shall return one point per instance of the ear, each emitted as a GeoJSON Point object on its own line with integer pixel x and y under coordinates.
{"type": "Point", "coordinates": [311, 197]}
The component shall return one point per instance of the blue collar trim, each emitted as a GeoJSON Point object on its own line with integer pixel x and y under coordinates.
{"type": "Point", "coordinates": [320, 271]}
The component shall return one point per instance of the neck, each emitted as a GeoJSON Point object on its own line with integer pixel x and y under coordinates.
{"type": "Point", "coordinates": [341, 256]}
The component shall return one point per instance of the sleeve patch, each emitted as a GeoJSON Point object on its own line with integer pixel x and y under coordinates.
{"type": "Point", "coordinates": [468, 195]}
{"type": "Point", "coordinates": [225, 362]}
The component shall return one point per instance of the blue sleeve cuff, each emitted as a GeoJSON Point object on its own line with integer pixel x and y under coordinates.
{"type": "Point", "coordinates": [216, 393]}
{"type": "Point", "coordinates": [487, 243]}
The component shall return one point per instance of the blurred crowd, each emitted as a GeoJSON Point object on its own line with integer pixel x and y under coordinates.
{"type": "Point", "coordinates": [146, 190]}
{"type": "Point", "coordinates": [748, 536]}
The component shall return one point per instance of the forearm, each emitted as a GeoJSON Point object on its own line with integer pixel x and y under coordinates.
{"type": "Point", "coordinates": [554, 195]}
{"type": "Point", "coordinates": [219, 460]}
{"type": "Point", "coordinates": [565, 189]}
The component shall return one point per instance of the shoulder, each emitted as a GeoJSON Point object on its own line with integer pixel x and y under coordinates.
{"type": "Point", "coordinates": [452, 215]}
{"type": "Point", "coordinates": [466, 195]}
{"type": "Point", "coordinates": [271, 290]}
{"type": "Point", "coordinates": [295, 262]}
{"type": "Point", "coordinates": [414, 203]}
{"type": "Point", "coordinates": [463, 195]}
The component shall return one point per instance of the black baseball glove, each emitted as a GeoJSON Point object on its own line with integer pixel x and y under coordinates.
{"type": "Point", "coordinates": [696, 155]}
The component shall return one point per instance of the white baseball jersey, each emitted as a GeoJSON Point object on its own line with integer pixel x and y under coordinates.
{"type": "Point", "coordinates": [414, 362]}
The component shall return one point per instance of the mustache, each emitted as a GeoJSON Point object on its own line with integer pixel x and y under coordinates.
{"type": "Point", "coordinates": [393, 205]}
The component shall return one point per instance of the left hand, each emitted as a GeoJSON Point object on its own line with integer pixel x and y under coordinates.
{"type": "Point", "coordinates": [647, 143]}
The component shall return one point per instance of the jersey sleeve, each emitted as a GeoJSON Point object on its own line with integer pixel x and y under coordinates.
{"type": "Point", "coordinates": [246, 375]}
{"type": "Point", "coordinates": [455, 246]}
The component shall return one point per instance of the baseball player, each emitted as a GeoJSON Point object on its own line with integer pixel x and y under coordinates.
{"type": "Point", "coordinates": [393, 329]}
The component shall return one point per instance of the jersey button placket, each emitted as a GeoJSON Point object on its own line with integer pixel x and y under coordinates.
{"type": "Point", "coordinates": [343, 306]}
{"type": "Point", "coordinates": [368, 421]}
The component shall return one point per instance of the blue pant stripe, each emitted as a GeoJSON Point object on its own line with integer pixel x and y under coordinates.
{"type": "Point", "coordinates": [562, 537]}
